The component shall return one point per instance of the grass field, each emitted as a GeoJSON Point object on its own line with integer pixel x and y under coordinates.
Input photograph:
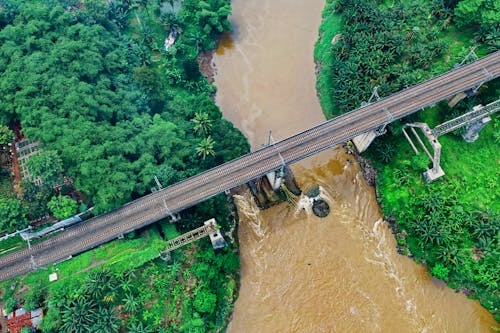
{"type": "Point", "coordinates": [118, 255]}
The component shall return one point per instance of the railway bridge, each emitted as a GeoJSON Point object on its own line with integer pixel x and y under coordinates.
{"type": "Point", "coordinates": [173, 199]}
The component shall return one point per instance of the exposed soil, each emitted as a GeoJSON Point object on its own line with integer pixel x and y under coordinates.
{"type": "Point", "coordinates": [15, 163]}
{"type": "Point", "coordinates": [15, 167]}
{"type": "Point", "coordinates": [369, 172]}
{"type": "Point", "coordinates": [207, 68]}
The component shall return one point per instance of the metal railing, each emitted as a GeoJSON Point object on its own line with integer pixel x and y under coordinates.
{"type": "Point", "coordinates": [476, 114]}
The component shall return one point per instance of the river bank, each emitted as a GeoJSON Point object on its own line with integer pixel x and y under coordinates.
{"type": "Point", "coordinates": [451, 253]}
{"type": "Point", "coordinates": [145, 98]}
{"type": "Point", "coordinates": [298, 272]}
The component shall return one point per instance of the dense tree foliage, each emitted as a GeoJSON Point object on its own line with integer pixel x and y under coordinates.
{"type": "Point", "coordinates": [93, 85]}
{"type": "Point", "coordinates": [112, 107]}
{"type": "Point", "coordinates": [389, 47]}
{"type": "Point", "coordinates": [46, 166]}
{"type": "Point", "coordinates": [6, 135]}
{"type": "Point", "coordinates": [453, 224]}
{"type": "Point", "coordinates": [62, 206]}
{"type": "Point", "coordinates": [36, 197]}
{"type": "Point", "coordinates": [485, 13]}
{"type": "Point", "coordinates": [12, 214]}
{"type": "Point", "coordinates": [187, 293]}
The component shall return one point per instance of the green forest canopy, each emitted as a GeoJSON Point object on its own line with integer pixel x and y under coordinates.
{"type": "Point", "coordinates": [77, 80]}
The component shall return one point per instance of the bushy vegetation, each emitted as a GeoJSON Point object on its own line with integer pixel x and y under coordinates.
{"type": "Point", "coordinates": [62, 206]}
{"type": "Point", "coordinates": [387, 46]}
{"type": "Point", "coordinates": [191, 294]}
{"type": "Point", "coordinates": [91, 81]}
{"type": "Point", "coordinates": [124, 287]}
{"type": "Point", "coordinates": [452, 225]}
{"type": "Point", "coordinates": [112, 107]}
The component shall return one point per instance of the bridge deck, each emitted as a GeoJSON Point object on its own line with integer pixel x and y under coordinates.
{"type": "Point", "coordinates": [189, 192]}
{"type": "Point", "coordinates": [466, 118]}
{"type": "Point", "coordinates": [189, 237]}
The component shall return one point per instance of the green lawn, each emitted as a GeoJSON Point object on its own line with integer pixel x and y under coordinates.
{"type": "Point", "coordinates": [118, 255]}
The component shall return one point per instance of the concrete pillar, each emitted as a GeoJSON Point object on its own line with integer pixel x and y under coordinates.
{"type": "Point", "coordinates": [436, 171]}
{"type": "Point", "coordinates": [216, 238]}
{"type": "Point", "coordinates": [363, 141]}
{"type": "Point", "coordinates": [275, 180]}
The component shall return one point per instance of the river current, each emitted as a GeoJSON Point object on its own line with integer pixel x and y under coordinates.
{"type": "Point", "coordinates": [301, 273]}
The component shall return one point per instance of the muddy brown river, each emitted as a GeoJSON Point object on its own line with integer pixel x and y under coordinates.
{"type": "Point", "coordinates": [300, 273]}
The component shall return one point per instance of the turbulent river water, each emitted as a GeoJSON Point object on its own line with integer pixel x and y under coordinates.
{"type": "Point", "coordinates": [301, 273]}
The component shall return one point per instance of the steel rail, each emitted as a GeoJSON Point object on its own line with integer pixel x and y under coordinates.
{"type": "Point", "coordinates": [149, 208]}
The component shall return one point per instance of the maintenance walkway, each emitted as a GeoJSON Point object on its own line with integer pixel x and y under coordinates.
{"type": "Point", "coordinates": [175, 198]}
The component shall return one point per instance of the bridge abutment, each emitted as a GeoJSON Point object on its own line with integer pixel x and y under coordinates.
{"type": "Point", "coordinates": [273, 188]}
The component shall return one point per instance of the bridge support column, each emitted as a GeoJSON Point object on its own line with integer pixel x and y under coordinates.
{"type": "Point", "coordinates": [269, 190]}
{"type": "Point", "coordinates": [276, 186]}
{"type": "Point", "coordinates": [455, 99]}
{"type": "Point", "coordinates": [275, 178]}
{"type": "Point", "coordinates": [472, 129]}
{"type": "Point", "coordinates": [216, 237]}
{"type": "Point", "coordinates": [166, 256]}
{"type": "Point", "coordinates": [363, 141]}
{"type": "Point", "coordinates": [436, 171]}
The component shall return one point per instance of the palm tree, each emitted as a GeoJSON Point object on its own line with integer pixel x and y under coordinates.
{"type": "Point", "coordinates": [105, 321]}
{"type": "Point", "coordinates": [427, 231]}
{"type": "Point", "coordinates": [483, 229]}
{"type": "Point", "coordinates": [77, 316]}
{"type": "Point", "coordinates": [174, 268]}
{"type": "Point", "coordinates": [447, 254]}
{"type": "Point", "coordinates": [432, 202]}
{"type": "Point", "coordinates": [206, 147]}
{"type": "Point", "coordinates": [129, 274]}
{"type": "Point", "coordinates": [94, 284]}
{"type": "Point", "coordinates": [202, 123]}
{"type": "Point", "coordinates": [118, 14]}
{"type": "Point", "coordinates": [138, 327]}
{"type": "Point", "coordinates": [196, 38]}
{"type": "Point", "coordinates": [130, 303]}
{"type": "Point", "coordinates": [126, 284]}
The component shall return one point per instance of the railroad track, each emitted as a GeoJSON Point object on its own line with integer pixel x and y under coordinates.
{"type": "Point", "coordinates": [193, 190]}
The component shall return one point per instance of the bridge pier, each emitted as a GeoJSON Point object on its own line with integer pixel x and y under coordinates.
{"type": "Point", "coordinates": [474, 121]}
{"type": "Point", "coordinates": [274, 187]}
{"type": "Point", "coordinates": [436, 171]}
{"type": "Point", "coordinates": [363, 141]}
{"type": "Point", "coordinates": [218, 241]}
{"type": "Point", "coordinates": [166, 256]}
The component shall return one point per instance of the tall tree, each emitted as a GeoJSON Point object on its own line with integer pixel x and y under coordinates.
{"type": "Point", "coordinates": [202, 123]}
{"type": "Point", "coordinates": [206, 147]}
{"type": "Point", "coordinates": [47, 166]}
{"type": "Point", "coordinates": [62, 206]}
